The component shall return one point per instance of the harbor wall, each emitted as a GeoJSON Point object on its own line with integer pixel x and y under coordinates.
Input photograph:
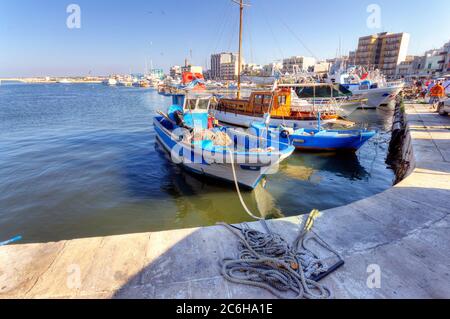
{"type": "Point", "coordinates": [401, 153]}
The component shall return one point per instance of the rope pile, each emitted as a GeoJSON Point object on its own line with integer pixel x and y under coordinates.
{"type": "Point", "coordinates": [218, 138]}
{"type": "Point", "coordinates": [267, 261]}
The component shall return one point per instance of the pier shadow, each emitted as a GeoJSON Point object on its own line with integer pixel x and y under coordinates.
{"type": "Point", "coordinates": [186, 264]}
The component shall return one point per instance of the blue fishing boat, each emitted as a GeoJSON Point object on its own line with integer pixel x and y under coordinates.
{"type": "Point", "coordinates": [316, 139]}
{"type": "Point", "coordinates": [193, 140]}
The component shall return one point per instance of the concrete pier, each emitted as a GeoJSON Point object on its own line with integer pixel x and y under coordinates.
{"type": "Point", "coordinates": [405, 231]}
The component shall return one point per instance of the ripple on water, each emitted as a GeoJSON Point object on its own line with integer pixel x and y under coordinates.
{"type": "Point", "coordinates": [82, 161]}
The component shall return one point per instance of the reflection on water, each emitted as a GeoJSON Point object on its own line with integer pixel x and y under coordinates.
{"type": "Point", "coordinates": [217, 198]}
{"type": "Point", "coordinates": [82, 161]}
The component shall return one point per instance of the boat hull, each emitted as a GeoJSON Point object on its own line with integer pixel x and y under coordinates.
{"type": "Point", "coordinates": [247, 121]}
{"type": "Point", "coordinates": [248, 175]}
{"type": "Point", "coordinates": [350, 143]}
{"type": "Point", "coordinates": [381, 97]}
{"type": "Point", "coordinates": [315, 140]}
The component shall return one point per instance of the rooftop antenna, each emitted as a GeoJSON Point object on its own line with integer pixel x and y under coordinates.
{"type": "Point", "coordinates": [241, 18]}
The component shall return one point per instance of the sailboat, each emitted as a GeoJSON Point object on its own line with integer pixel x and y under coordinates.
{"type": "Point", "coordinates": [288, 103]}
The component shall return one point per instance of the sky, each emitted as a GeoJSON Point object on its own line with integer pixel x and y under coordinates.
{"type": "Point", "coordinates": [120, 36]}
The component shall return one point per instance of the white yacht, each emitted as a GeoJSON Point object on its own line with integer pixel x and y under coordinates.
{"type": "Point", "coordinates": [371, 85]}
{"type": "Point", "coordinates": [64, 81]}
{"type": "Point", "coordinates": [110, 82]}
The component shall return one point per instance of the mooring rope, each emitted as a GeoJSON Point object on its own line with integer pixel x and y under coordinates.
{"type": "Point", "coordinates": [236, 183]}
{"type": "Point", "coordinates": [267, 261]}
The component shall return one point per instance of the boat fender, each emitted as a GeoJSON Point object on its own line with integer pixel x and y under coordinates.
{"type": "Point", "coordinates": [285, 134]}
{"type": "Point", "coordinates": [179, 118]}
{"type": "Point", "coordinates": [211, 121]}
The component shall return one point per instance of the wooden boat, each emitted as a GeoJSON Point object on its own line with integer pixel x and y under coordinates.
{"type": "Point", "coordinates": [221, 153]}
{"type": "Point", "coordinates": [278, 103]}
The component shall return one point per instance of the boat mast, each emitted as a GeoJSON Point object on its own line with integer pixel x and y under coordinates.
{"type": "Point", "coordinates": [241, 18]}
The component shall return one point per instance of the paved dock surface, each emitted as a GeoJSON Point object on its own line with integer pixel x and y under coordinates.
{"type": "Point", "coordinates": [404, 231]}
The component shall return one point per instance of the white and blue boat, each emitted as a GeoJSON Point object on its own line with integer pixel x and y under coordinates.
{"type": "Point", "coordinates": [188, 133]}
{"type": "Point", "coordinates": [316, 139]}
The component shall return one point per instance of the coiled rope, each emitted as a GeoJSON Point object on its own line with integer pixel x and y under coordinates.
{"type": "Point", "coordinates": [267, 261]}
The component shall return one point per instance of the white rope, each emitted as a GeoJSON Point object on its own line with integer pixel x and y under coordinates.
{"type": "Point", "coordinates": [267, 261]}
{"type": "Point", "coordinates": [236, 183]}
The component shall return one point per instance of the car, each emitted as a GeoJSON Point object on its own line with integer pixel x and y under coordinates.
{"type": "Point", "coordinates": [444, 107]}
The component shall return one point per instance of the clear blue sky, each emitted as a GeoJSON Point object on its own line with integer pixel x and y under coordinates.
{"type": "Point", "coordinates": [118, 36]}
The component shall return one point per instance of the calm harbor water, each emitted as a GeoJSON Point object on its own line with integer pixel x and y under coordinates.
{"type": "Point", "coordinates": [82, 161]}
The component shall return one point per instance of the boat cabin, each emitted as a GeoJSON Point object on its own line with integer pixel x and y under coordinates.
{"type": "Point", "coordinates": [193, 107]}
{"type": "Point", "coordinates": [277, 102]}
{"type": "Point", "coordinates": [321, 91]}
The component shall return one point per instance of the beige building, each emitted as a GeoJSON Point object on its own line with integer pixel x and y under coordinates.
{"type": "Point", "coordinates": [229, 71]}
{"type": "Point", "coordinates": [322, 67]}
{"type": "Point", "coordinates": [272, 69]}
{"type": "Point", "coordinates": [252, 69]}
{"type": "Point", "coordinates": [224, 66]}
{"type": "Point", "coordinates": [383, 51]}
{"type": "Point", "coordinates": [301, 63]}
{"type": "Point", "coordinates": [406, 68]}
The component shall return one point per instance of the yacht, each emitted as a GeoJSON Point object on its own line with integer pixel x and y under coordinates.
{"type": "Point", "coordinates": [370, 85]}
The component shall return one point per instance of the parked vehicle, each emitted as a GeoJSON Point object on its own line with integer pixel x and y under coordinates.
{"type": "Point", "coordinates": [444, 107]}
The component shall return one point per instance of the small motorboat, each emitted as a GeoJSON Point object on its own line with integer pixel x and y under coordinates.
{"type": "Point", "coordinates": [192, 138]}
{"type": "Point", "coordinates": [315, 139]}
{"type": "Point", "coordinates": [110, 82]}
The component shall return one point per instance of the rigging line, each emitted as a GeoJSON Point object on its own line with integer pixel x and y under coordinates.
{"type": "Point", "coordinates": [250, 42]}
{"type": "Point", "coordinates": [271, 31]}
{"type": "Point", "coordinates": [298, 38]}
{"type": "Point", "coordinates": [223, 25]}
{"type": "Point", "coordinates": [232, 36]}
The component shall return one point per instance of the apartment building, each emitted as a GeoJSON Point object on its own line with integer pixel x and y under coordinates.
{"type": "Point", "coordinates": [229, 71]}
{"type": "Point", "coordinates": [322, 67]}
{"type": "Point", "coordinates": [407, 67]}
{"type": "Point", "coordinates": [224, 66]}
{"type": "Point", "coordinates": [252, 69]}
{"type": "Point", "coordinates": [383, 51]}
{"type": "Point", "coordinates": [271, 69]}
{"type": "Point", "coordinates": [301, 63]}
